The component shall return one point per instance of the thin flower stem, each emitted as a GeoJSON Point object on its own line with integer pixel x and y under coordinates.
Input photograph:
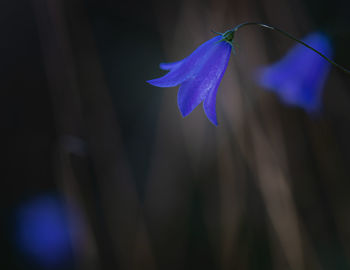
{"type": "Point", "coordinates": [293, 38]}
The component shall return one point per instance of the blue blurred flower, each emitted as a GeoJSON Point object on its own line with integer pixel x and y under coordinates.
{"type": "Point", "coordinates": [298, 78]}
{"type": "Point", "coordinates": [43, 231]}
{"type": "Point", "coordinates": [199, 75]}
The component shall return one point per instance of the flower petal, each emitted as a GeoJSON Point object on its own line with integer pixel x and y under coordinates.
{"type": "Point", "coordinates": [205, 83]}
{"type": "Point", "coordinates": [209, 103]}
{"type": "Point", "coordinates": [170, 66]}
{"type": "Point", "coordinates": [188, 66]}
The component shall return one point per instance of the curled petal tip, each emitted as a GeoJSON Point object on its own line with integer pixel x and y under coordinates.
{"type": "Point", "coordinates": [185, 108]}
{"type": "Point", "coordinates": [213, 121]}
{"type": "Point", "coordinates": [183, 112]}
{"type": "Point", "coordinates": [152, 82]}
{"type": "Point", "coordinates": [209, 106]}
{"type": "Point", "coordinates": [170, 66]}
{"type": "Point", "coordinates": [212, 118]}
{"type": "Point", "coordinates": [161, 82]}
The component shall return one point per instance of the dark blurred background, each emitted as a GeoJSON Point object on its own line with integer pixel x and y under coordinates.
{"type": "Point", "coordinates": [102, 172]}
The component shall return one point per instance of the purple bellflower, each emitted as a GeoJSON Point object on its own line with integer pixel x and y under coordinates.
{"type": "Point", "coordinates": [42, 231]}
{"type": "Point", "coordinates": [199, 75]}
{"type": "Point", "coordinates": [298, 78]}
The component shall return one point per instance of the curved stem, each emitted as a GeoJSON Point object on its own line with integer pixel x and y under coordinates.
{"type": "Point", "coordinates": [293, 38]}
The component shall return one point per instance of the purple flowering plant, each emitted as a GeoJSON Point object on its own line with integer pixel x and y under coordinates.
{"type": "Point", "coordinates": [297, 79]}
{"type": "Point", "coordinates": [42, 231]}
{"type": "Point", "coordinates": [199, 75]}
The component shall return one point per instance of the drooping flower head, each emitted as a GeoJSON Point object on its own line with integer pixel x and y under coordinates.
{"type": "Point", "coordinates": [298, 78]}
{"type": "Point", "coordinates": [199, 75]}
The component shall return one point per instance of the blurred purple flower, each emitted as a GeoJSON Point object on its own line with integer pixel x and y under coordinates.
{"type": "Point", "coordinates": [199, 75]}
{"type": "Point", "coordinates": [43, 231]}
{"type": "Point", "coordinates": [298, 78]}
